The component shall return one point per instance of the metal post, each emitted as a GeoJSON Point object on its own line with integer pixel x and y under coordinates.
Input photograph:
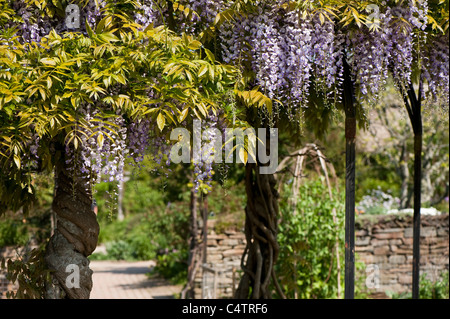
{"type": "Point", "coordinates": [416, 216]}
{"type": "Point", "coordinates": [413, 105]}
{"type": "Point", "coordinates": [350, 153]}
{"type": "Point", "coordinates": [418, 131]}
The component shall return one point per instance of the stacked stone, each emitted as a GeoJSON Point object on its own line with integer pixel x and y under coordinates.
{"type": "Point", "coordinates": [224, 252]}
{"type": "Point", "coordinates": [386, 243]}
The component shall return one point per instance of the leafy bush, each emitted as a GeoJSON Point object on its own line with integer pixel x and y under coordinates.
{"type": "Point", "coordinates": [306, 264]}
{"type": "Point", "coordinates": [434, 289]}
{"type": "Point", "coordinates": [172, 266]}
{"type": "Point", "coordinates": [12, 233]}
{"type": "Point", "coordinates": [142, 235]}
{"type": "Point", "coordinates": [119, 250]}
{"type": "Point", "coordinates": [429, 289]}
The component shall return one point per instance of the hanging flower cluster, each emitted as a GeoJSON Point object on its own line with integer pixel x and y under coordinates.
{"type": "Point", "coordinates": [147, 14]}
{"type": "Point", "coordinates": [436, 69]}
{"type": "Point", "coordinates": [288, 52]}
{"type": "Point", "coordinates": [99, 149]}
{"type": "Point", "coordinates": [203, 164]}
{"type": "Point", "coordinates": [138, 139]}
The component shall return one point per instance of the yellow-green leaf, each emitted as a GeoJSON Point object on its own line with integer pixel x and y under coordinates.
{"type": "Point", "coordinates": [17, 160]}
{"type": "Point", "coordinates": [183, 115]}
{"type": "Point", "coordinates": [243, 156]}
{"type": "Point", "coordinates": [195, 45]}
{"type": "Point", "coordinates": [49, 82]}
{"type": "Point", "coordinates": [202, 70]}
{"type": "Point", "coordinates": [161, 121]}
{"type": "Point", "coordinates": [100, 140]}
{"type": "Point", "coordinates": [210, 55]}
{"type": "Point", "coordinates": [48, 61]}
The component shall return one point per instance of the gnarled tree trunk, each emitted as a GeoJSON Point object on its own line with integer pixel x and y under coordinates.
{"type": "Point", "coordinates": [261, 251]}
{"type": "Point", "coordinates": [195, 252]}
{"type": "Point", "coordinates": [74, 239]}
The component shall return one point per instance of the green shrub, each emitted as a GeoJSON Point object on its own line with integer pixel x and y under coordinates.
{"type": "Point", "coordinates": [306, 264]}
{"type": "Point", "coordinates": [13, 233]}
{"type": "Point", "coordinates": [119, 250]}
{"type": "Point", "coordinates": [141, 235]}
{"type": "Point", "coordinates": [434, 289]}
{"type": "Point", "coordinates": [173, 266]}
{"type": "Point", "coordinates": [29, 272]}
{"type": "Point", "coordinates": [428, 289]}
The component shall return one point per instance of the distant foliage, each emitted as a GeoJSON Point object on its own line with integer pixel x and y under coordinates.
{"type": "Point", "coordinates": [307, 263]}
{"type": "Point", "coordinates": [377, 202]}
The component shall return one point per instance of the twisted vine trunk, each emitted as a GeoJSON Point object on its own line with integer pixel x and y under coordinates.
{"type": "Point", "coordinates": [195, 253]}
{"type": "Point", "coordinates": [261, 251]}
{"type": "Point", "coordinates": [74, 239]}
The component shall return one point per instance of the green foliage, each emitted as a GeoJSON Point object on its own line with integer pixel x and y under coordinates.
{"type": "Point", "coordinates": [142, 235]}
{"type": "Point", "coordinates": [30, 272]}
{"type": "Point", "coordinates": [438, 289]}
{"type": "Point", "coordinates": [18, 230]}
{"type": "Point", "coordinates": [13, 232]}
{"type": "Point", "coordinates": [173, 266]}
{"type": "Point", "coordinates": [307, 265]}
{"type": "Point", "coordinates": [376, 171]}
{"type": "Point", "coordinates": [43, 88]}
{"type": "Point", "coordinates": [361, 290]}
{"type": "Point", "coordinates": [21, 228]}
{"type": "Point", "coordinates": [120, 250]}
{"type": "Point", "coordinates": [429, 289]}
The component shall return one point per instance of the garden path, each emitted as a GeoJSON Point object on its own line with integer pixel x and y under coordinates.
{"type": "Point", "coordinates": [128, 280]}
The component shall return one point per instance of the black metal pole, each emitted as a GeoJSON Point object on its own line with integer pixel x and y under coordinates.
{"type": "Point", "coordinates": [350, 154]}
{"type": "Point", "coordinates": [413, 105]}
{"type": "Point", "coordinates": [418, 132]}
{"type": "Point", "coordinates": [416, 217]}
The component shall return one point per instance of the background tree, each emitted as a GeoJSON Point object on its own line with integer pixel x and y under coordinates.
{"type": "Point", "coordinates": [389, 151]}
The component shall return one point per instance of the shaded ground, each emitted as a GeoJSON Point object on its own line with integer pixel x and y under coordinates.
{"type": "Point", "coordinates": [127, 280]}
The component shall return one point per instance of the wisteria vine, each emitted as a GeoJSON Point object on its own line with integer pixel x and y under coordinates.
{"type": "Point", "coordinates": [289, 55]}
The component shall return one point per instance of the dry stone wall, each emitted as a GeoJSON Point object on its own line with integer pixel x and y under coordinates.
{"type": "Point", "coordinates": [383, 248]}
{"type": "Point", "coordinates": [224, 254]}
{"type": "Point", "coordinates": [384, 244]}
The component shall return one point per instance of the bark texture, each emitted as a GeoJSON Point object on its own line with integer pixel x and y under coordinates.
{"type": "Point", "coordinates": [195, 251]}
{"type": "Point", "coordinates": [74, 239]}
{"type": "Point", "coordinates": [261, 251]}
